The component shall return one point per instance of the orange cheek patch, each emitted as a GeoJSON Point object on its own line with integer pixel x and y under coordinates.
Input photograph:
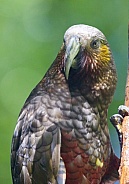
{"type": "Point", "coordinates": [104, 54]}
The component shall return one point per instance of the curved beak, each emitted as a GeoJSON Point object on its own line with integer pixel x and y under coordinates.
{"type": "Point", "coordinates": [72, 49]}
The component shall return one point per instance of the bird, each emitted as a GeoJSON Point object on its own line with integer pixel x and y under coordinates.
{"type": "Point", "coordinates": [62, 135]}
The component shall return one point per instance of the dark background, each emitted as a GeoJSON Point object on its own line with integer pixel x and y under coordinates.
{"type": "Point", "coordinates": [31, 34]}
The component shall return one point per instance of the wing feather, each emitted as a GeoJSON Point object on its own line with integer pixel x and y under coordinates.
{"type": "Point", "coordinates": [35, 153]}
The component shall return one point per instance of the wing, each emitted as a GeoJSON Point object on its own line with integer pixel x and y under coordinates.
{"type": "Point", "coordinates": [35, 153]}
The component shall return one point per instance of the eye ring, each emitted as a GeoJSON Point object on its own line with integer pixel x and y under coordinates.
{"type": "Point", "coordinates": [95, 44]}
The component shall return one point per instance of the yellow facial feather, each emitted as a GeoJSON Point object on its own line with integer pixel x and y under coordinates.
{"type": "Point", "coordinates": [104, 54]}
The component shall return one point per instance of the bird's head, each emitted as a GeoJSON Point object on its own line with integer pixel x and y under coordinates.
{"type": "Point", "coordinates": [86, 51]}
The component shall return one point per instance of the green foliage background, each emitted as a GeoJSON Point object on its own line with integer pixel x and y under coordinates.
{"type": "Point", "coordinates": [31, 34]}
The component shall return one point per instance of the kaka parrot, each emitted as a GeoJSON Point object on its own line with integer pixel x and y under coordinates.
{"type": "Point", "coordinates": [62, 136]}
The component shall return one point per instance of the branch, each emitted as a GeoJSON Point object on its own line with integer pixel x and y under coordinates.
{"type": "Point", "coordinates": [124, 165]}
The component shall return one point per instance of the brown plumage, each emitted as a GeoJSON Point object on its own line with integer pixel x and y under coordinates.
{"type": "Point", "coordinates": [62, 134]}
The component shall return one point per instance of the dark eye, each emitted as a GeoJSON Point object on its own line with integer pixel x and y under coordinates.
{"type": "Point", "coordinates": [95, 44]}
